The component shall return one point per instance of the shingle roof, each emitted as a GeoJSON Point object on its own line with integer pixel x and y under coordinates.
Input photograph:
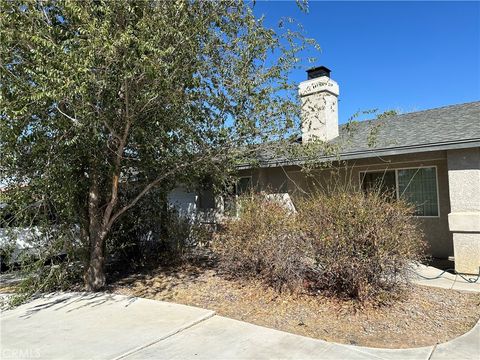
{"type": "Point", "coordinates": [449, 127]}
{"type": "Point", "coordinates": [449, 124]}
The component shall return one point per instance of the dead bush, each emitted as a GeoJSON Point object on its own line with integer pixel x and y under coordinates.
{"type": "Point", "coordinates": [262, 242]}
{"type": "Point", "coordinates": [362, 243]}
{"type": "Point", "coordinates": [342, 243]}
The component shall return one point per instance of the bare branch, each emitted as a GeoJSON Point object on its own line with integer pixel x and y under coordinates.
{"type": "Point", "coordinates": [74, 120]}
{"type": "Point", "coordinates": [119, 155]}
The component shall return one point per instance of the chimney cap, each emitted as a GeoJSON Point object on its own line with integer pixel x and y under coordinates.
{"type": "Point", "coordinates": [318, 71]}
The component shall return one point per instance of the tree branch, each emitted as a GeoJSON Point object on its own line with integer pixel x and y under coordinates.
{"type": "Point", "coordinates": [75, 120]}
{"type": "Point", "coordinates": [151, 185]}
{"type": "Point", "coordinates": [116, 173]}
{"type": "Point", "coordinates": [113, 132]}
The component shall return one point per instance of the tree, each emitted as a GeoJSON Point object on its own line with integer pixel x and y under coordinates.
{"type": "Point", "coordinates": [105, 101]}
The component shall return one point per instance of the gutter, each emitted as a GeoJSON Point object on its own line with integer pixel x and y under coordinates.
{"type": "Point", "coordinates": [369, 153]}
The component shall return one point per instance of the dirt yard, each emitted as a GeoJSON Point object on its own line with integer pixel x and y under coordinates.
{"type": "Point", "coordinates": [424, 317]}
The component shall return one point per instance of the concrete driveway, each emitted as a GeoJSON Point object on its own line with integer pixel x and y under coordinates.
{"type": "Point", "coordinates": [103, 326]}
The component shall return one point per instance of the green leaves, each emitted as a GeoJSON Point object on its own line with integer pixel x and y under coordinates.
{"type": "Point", "coordinates": [155, 93]}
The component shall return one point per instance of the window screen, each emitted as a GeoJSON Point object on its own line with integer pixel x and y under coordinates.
{"type": "Point", "coordinates": [419, 187]}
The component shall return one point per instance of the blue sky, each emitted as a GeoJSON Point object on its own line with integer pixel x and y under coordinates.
{"type": "Point", "coordinates": [406, 56]}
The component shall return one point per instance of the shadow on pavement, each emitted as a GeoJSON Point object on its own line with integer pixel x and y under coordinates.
{"type": "Point", "coordinates": [76, 301]}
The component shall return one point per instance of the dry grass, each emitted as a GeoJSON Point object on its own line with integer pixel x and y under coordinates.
{"type": "Point", "coordinates": [423, 317]}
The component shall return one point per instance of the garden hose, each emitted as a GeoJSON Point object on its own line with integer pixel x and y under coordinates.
{"type": "Point", "coordinates": [469, 280]}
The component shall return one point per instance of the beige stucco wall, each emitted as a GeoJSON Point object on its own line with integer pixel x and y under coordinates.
{"type": "Point", "coordinates": [464, 219]}
{"type": "Point", "coordinates": [294, 181]}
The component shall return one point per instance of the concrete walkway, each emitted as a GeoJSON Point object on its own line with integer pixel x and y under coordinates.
{"type": "Point", "coordinates": [433, 277]}
{"type": "Point", "coordinates": [103, 326]}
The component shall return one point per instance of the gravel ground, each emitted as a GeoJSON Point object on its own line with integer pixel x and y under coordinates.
{"type": "Point", "coordinates": [424, 316]}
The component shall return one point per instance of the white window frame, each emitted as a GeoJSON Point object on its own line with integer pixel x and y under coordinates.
{"type": "Point", "coordinates": [397, 190]}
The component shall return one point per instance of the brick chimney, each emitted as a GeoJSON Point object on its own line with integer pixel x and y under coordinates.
{"type": "Point", "coordinates": [319, 99]}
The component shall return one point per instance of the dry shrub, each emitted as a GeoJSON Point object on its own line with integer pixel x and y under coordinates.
{"type": "Point", "coordinates": [262, 242]}
{"type": "Point", "coordinates": [362, 243]}
{"type": "Point", "coordinates": [345, 243]}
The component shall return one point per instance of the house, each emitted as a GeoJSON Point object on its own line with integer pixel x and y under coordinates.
{"type": "Point", "coordinates": [430, 158]}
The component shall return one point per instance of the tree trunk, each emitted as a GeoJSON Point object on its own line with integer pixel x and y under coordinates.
{"type": "Point", "coordinates": [94, 277]}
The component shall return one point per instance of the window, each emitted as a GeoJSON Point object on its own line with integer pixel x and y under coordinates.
{"type": "Point", "coordinates": [244, 185]}
{"type": "Point", "coordinates": [235, 189]}
{"type": "Point", "coordinates": [383, 181]}
{"type": "Point", "coordinates": [206, 199]}
{"type": "Point", "coordinates": [418, 186]}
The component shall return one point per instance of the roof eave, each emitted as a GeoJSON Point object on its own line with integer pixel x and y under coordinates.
{"type": "Point", "coordinates": [370, 153]}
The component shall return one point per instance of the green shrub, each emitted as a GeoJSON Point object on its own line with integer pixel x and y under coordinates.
{"type": "Point", "coordinates": [362, 244]}
{"type": "Point", "coordinates": [262, 243]}
{"type": "Point", "coordinates": [151, 233]}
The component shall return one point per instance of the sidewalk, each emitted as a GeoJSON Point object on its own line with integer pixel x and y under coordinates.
{"type": "Point", "coordinates": [104, 326]}
{"type": "Point", "coordinates": [430, 276]}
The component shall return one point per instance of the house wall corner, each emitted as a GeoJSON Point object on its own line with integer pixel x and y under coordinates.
{"type": "Point", "coordinates": [464, 218]}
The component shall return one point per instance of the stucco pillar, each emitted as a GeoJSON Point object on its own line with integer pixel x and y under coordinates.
{"type": "Point", "coordinates": [464, 217]}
